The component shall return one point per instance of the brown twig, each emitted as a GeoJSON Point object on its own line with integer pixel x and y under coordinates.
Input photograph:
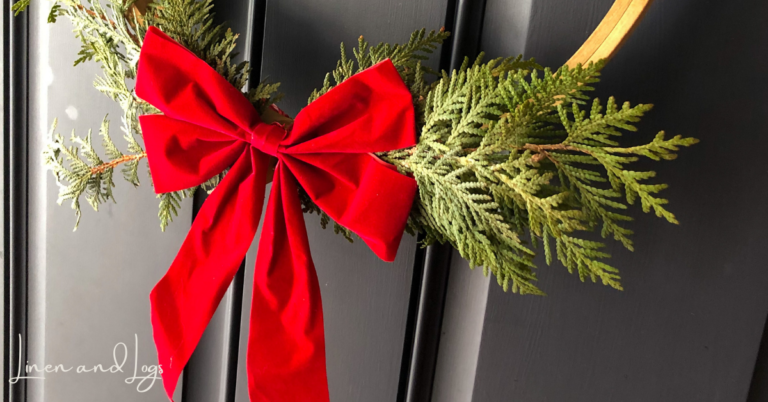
{"type": "Point", "coordinates": [111, 164]}
{"type": "Point", "coordinates": [104, 18]}
{"type": "Point", "coordinates": [530, 147]}
{"type": "Point", "coordinates": [542, 151]}
{"type": "Point", "coordinates": [551, 147]}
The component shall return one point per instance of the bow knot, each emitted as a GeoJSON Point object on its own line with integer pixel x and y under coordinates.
{"type": "Point", "coordinates": [267, 137]}
{"type": "Point", "coordinates": [327, 151]}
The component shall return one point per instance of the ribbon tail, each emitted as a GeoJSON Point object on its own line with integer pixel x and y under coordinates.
{"type": "Point", "coordinates": [286, 345]}
{"type": "Point", "coordinates": [187, 296]}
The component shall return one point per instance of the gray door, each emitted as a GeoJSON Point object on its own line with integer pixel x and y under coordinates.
{"type": "Point", "coordinates": [688, 327]}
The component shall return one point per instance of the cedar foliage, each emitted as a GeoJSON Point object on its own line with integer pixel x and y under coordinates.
{"type": "Point", "coordinates": [508, 151]}
{"type": "Point", "coordinates": [112, 35]}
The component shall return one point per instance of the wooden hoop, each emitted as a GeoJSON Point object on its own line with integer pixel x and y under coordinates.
{"type": "Point", "coordinates": [613, 30]}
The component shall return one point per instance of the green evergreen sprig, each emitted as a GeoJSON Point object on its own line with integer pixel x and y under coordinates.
{"type": "Point", "coordinates": [112, 35]}
{"type": "Point", "coordinates": [79, 174]}
{"type": "Point", "coordinates": [506, 153]}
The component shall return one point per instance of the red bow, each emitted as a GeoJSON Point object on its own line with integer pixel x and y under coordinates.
{"type": "Point", "coordinates": [208, 126]}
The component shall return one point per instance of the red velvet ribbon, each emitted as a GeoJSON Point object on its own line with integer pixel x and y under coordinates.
{"type": "Point", "coordinates": [207, 126]}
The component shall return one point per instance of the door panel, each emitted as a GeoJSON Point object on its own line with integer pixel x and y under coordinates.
{"type": "Point", "coordinates": [688, 325]}
{"type": "Point", "coordinates": [88, 290]}
{"type": "Point", "coordinates": [461, 332]}
{"type": "Point", "coordinates": [504, 32]}
{"type": "Point", "coordinates": [210, 373]}
{"type": "Point", "coordinates": [365, 300]}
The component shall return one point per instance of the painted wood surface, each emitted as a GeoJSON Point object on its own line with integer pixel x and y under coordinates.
{"type": "Point", "coordinates": [3, 66]}
{"type": "Point", "coordinates": [688, 325]}
{"type": "Point", "coordinates": [365, 300]}
{"type": "Point", "coordinates": [210, 374]}
{"type": "Point", "coordinates": [89, 289]}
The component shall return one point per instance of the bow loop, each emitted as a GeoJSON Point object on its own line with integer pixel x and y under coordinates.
{"type": "Point", "coordinates": [208, 126]}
